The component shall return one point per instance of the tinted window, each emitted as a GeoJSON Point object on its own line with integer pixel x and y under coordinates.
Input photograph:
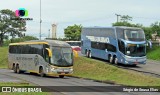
{"type": "Point", "coordinates": [27, 49]}
{"type": "Point", "coordinates": [103, 46]}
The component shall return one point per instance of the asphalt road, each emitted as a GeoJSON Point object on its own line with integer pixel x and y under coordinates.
{"type": "Point", "coordinates": [151, 66]}
{"type": "Point", "coordinates": [68, 81]}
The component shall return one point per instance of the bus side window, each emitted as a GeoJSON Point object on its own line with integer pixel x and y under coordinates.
{"type": "Point", "coordinates": [10, 49]}
{"type": "Point", "coordinates": [44, 50]}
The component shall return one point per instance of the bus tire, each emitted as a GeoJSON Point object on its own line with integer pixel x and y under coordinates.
{"type": "Point", "coordinates": [61, 76]}
{"type": "Point", "coordinates": [18, 71]}
{"type": "Point", "coordinates": [41, 72]}
{"type": "Point", "coordinates": [89, 54]}
{"type": "Point", "coordinates": [14, 68]}
{"type": "Point", "coordinates": [115, 60]}
{"type": "Point", "coordinates": [110, 59]}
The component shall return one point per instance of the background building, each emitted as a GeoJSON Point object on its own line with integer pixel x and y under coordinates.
{"type": "Point", "coordinates": [54, 30]}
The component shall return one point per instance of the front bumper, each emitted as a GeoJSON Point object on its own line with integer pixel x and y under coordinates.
{"type": "Point", "coordinates": [135, 61]}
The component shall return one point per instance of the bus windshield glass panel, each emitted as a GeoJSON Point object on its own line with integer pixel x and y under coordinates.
{"type": "Point", "coordinates": [62, 56]}
{"type": "Point", "coordinates": [136, 50]}
{"type": "Point", "coordinates": [134, 35]}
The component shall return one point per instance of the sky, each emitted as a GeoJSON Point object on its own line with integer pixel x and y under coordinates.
{"type": "Point", "coordinates": [88, 13]}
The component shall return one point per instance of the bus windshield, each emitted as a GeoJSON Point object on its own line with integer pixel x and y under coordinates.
{"type": "Point", "coordinates": [134, 35]}
{"type": "Point", "coordinates": [62, 56]}
{"type": "Point", "coordinates": [135, 50]}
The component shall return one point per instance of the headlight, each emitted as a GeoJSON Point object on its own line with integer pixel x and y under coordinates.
{"type": "Point", "coordinates": [71, 69]}
{"type": "Point", "coordinates": [53, 69]}
{"type": "Point", "coordinates": [126, 62]}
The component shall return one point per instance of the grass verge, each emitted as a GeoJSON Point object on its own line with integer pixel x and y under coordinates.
{"type": "Point", "coordinates": [98, 70]}
{"type": "Point", "coordinates": [154, 53]}
{"type": "Point", "coordinates": [3, 57]}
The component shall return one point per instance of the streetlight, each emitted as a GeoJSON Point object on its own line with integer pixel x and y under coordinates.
{"type": "Point", "coordinates": [117, 17]}
{"type": "Point", "coordinates": [40, 22]}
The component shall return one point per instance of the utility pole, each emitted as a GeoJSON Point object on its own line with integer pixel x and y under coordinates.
{"type": "Point", "coordinates": [117, 17]}
{"type": "Point", "coordinates": [40, 22]}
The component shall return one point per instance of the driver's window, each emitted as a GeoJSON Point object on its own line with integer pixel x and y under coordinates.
{"type": "Point", "coordinates": [121, 46]}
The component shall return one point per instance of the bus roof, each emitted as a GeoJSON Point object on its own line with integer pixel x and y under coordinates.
{"type": "Point", "coordinates": [72, 41]}
{"type": "Point", "coordinates": [49, 42]}
{"type": "Point", "coordinates": [123, 27]}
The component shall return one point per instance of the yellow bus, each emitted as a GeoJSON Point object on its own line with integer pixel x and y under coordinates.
{"type": "Point", "coordinates": [44, 57]}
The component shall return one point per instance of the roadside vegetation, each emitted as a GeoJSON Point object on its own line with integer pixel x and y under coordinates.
{"type": "Point", "coordinates": [3, 57]}
{"type": "Point", "coordinates": [154, 53]}
{"type": "Point", "coordinates": [102, 71]}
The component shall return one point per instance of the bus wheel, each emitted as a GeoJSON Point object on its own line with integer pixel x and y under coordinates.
{"type": "Point", "coordinates": [17, 69]}
{"type": "Point", "coordinates": [115, 60]}
{"type": "Point", "coordinates": [61, 76]}
{"type": "Point", "coordinates": [89, 54]}
{"type": "Point", "coordinates": [14, 68]}
{"type": "Point", "coordinates": [110, 59]}
{"type": "Point", "coordinates": [41, 72]}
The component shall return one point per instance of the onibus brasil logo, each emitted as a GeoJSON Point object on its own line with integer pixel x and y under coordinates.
{"type": "Point", "coordinates": [21, 14]}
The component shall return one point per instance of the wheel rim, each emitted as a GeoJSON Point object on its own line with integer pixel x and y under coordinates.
{"type": "Point", "coordinates": [116, 61]}
{"type": "Point", "coordinates": [87, 53]}
{"type": "Point", "coordinates": [90, 54]}
{"type": "Point", "coordinates": [17, 70]}
{"type": "Point", "coordinates": [110, 59]}
{"type": "Point", "coordinates": [14, 69]}
{"type": "Point", "coordinates": [41, 73]}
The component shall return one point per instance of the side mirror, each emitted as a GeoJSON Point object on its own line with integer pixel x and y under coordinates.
{"type": "Point", "coordinates": [49, 52]}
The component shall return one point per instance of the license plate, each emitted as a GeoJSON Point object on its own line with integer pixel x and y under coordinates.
{"type": "Point", "coordinates": [63, 73]}
{"type": "Point", "coordinates": [136, 63]}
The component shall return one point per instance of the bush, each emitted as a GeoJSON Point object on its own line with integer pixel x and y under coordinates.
{"type": "Point", "coordinates": [15, 40]}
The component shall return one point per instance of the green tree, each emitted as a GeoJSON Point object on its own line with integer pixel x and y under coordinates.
{"type": "Point", "coordinates": [10, 26]}
{"type": "Point", "coordinates": [25, 38]}
{"type": "Point", "coordinates": [156, 28]}
{"type": "Point", "coordinates": [22, 39]}
{"type": "Point", "coordinates": [126, 18]}
{"type": "Point", "coordinates": [73, 32]}
{"type": "Point", "coordinates": [125, 22]}
{"type": "Point", "coordinates": [148, 31]}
